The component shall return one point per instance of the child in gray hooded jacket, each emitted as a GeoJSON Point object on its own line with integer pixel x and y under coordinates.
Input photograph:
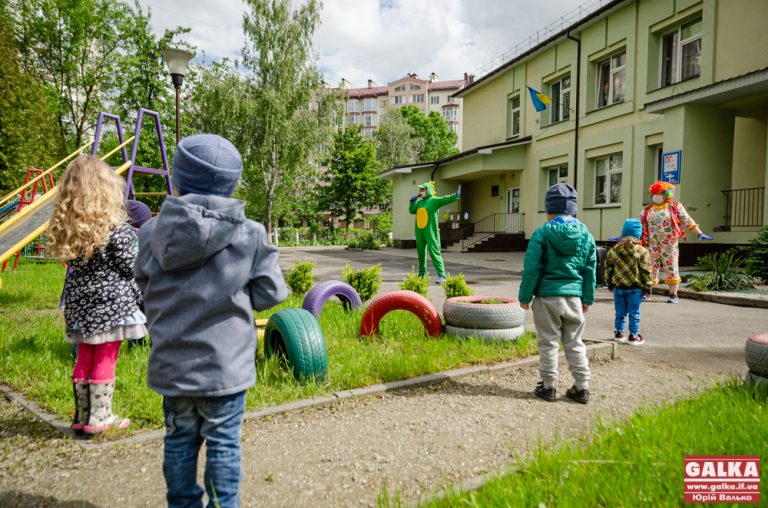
{"type": "Point", "coordinates": [204, 268]}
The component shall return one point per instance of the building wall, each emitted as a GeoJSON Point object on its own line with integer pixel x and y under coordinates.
{"type": "Point", "coordinates": [742, 40]}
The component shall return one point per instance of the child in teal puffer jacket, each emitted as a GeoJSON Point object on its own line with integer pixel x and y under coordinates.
{"type": "Point", "coordinates": [559, 271]}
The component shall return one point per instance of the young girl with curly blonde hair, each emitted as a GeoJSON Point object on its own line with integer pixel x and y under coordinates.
{"type": "Point", "coordinates": [88, 230]}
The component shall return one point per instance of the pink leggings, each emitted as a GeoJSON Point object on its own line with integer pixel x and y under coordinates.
{"type": "Point", "coordinates": [96, 362]}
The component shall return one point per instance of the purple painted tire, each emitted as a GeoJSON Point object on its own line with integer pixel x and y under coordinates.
{"type": "Point", "coordinates": [322, 291]}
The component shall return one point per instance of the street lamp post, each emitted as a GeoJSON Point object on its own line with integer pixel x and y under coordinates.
{"type": "Point", "coordinates": [178, 64]}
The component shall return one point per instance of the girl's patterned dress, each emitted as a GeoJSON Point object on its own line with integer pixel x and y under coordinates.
{"type": "Point", "coordinates": [662, 227]}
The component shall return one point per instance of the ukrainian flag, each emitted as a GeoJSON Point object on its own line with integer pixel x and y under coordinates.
{"type": "Point", "coordinates": [539, 100]}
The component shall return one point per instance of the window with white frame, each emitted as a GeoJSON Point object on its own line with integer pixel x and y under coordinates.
{"type": "Point", "coordinates": [398, 99]}
{"type": "Point", "coordinates": [435, 99]}
{"type": "Point", "coordinates": [400, 88]}
{"type": "Point", "coordinates": [557, 174]}
{"type": "Point", "coordinates": [450, 100]}
{"type": "Point", "coordinates": [608, 176]}
{"type": "Point", "coordinates": [681, 53]}
{"type": "Point", "coordinates": [369, 105]}
{"type": "Point", "coordinates": [415, 87]}
{"type": "Point", "coordinates": [451, 114]}
{"type": "Point", "coordinates": [612, 80]}
{"type": "Point", "coordinates": [560, 93]}
{"type": "Point", "coordinates": [352, 106]}
{"type": "Point", "coordinates": [513, 110]}
{"type": "Point", "coordinates": [417, 98]}
{"type": "Point", "coordinates": [368, 120]}
{"type": "Point", "coordinates": [352, 119]}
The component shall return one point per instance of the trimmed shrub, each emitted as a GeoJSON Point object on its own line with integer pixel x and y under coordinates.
{"type": "Point", "coordinates": [415, 283]}
{"type": "Point", "coordinates": [300, 277]}
{"type": "Point", "coordinates": [757, 256]}
{"type": "Point", "coordinates": [456, 286]}
{"type": "Point", "coordinates": [366, 281]}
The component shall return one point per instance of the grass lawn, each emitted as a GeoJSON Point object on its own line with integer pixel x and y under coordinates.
{"type": "Point", "coordinates": [637, 463]}
{"type": "Point", "coordinates": [37, 361]}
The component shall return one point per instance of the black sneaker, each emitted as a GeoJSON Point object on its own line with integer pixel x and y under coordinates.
{"type": "Point", "coordinates": [544, 393]}
{"type": "Point", "coordinates": [580, 396]}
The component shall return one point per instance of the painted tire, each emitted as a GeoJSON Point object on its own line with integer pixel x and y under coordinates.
{"type": "Point", "coordinates": [467, 312]}
{"type": "Point", "coordinates": [322, 291]}
{"type": "Point", "coordinates": [295, 335]}
{"type": "Point", "coordinates": [753, 379]}
{"type": "Point", "coordinates": [756, 352]}
{"type": "Point", "coordinates": [490, 335]}
{"type": "Point", "coordinates": [401, 300]}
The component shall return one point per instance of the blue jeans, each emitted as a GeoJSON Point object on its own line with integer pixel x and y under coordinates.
{"type": "Point", "coordinates": [627, 301]}
{"type": "Point", "coordinates": [188, 422]}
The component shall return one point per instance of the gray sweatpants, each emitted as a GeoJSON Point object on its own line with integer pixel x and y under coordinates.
{"type": "Point", "coordinates": [560, 318]}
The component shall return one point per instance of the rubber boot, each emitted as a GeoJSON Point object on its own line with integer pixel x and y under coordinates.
{"type": "Point", "coordinates": [100, 416]}
{"type": "Point", "coordinates": [80, 388]}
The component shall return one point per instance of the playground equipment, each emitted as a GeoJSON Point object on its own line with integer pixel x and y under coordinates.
{"type": "Point", "coordinates": [31, 217]}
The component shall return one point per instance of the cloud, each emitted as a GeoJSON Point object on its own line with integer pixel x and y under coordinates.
{"type": "Point", "coordinates": [382, 39]}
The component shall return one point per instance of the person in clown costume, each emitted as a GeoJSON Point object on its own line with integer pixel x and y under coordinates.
{"type": "Point", "coordinates": [424, 206]}
{"type": "Point", "coordinates": [664, 222]}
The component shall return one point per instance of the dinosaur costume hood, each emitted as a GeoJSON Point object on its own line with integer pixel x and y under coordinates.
{"type": "Point", "coordinates": [430, 188]}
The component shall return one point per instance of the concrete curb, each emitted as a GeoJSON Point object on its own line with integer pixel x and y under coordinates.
{"type": "Point", "coordinates": [740, 301]}
{"type": "Point", "coordinates": [596, 352]}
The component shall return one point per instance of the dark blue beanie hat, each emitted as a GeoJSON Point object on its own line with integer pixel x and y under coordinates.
{"type": "Point", "coordinates": [206, 164]}
{"type": "Point", "coordinates": [560, 200]}
{"type": "Point", "coordinates": [632, 227]}
{"type": "Point", "coordinates": [138, 213]}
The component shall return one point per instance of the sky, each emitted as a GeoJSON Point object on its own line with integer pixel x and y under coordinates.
{"type": "Point", "coordinates": [384, 40]}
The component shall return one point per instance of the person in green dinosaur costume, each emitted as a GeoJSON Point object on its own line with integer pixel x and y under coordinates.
{"type": "Point", "coordinates": [424, 206]}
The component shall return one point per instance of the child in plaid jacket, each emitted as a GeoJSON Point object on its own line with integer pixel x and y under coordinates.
{"type": "Point", "coordinates": [628, 277]}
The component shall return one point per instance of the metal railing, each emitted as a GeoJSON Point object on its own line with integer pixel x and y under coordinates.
{"type": "Point", "coordinates": [744, 207]}
{"type": "Point", "coordinates": [494, 224]}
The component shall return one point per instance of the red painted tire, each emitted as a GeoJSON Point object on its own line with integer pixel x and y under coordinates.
{"type": "Point", "coordinates": [401, 300]}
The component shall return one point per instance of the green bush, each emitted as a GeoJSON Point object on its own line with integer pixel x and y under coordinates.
{"type": "Point", "coordinates": [300, 277]}
{"type": "Point", "coordinates": [365, 240]}
{"type": "Point", "coordinates": [415, 283]}
{"type": "Point", "coordinates": [757, 256]}
{"type": "Point", "coordinates": [456, 286]}
{"type": "Point", "coordinates": [366, 281]}
{"type": "Point", "coordinates": [723, 273]}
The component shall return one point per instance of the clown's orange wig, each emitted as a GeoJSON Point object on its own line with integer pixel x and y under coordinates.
{"type": "Point", "coordinates": [660, 187]}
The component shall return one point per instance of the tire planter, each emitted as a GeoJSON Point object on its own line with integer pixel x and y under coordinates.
{"type": "Point", "coordinates": [320, 293]}
{"type": "Point", "coordinates": [401, 300]}
{"type": "Point", "coordinates": [753, 379]}
{"type": "Point", "coordinates": [756, 352]}
{"type": "Point", "coordinates": [490, 335]}
{"type": "Point", "coordinates": [295, 335]}
{"type": "Point", "coordinates": [468, 312]}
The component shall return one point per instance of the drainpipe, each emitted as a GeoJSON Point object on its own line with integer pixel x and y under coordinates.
{"type": "Point", "coordinates": [432, 176]}
{"type": "Point", "coordinates": [578, 102]}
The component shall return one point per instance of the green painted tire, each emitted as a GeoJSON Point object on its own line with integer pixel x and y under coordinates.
{"type": "Point", "coordinates": [295, 336]}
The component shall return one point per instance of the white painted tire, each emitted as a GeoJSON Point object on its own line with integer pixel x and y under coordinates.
{"type": "Point", "coordinates": [490, 335]}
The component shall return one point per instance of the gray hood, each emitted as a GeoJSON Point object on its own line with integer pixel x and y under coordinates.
{"type": "Point", "coordinates": [192, 228]}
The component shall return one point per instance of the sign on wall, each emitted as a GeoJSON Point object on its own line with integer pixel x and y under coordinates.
{"type": "Point", "coordinates": [671, 166]}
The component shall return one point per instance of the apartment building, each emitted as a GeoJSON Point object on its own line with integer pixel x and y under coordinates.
{"type": "Point", "coordinates": [366, 106]}
{"type": "Point", "coordinates": [640, 90]}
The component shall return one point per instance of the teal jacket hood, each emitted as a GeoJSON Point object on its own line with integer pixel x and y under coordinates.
{"type": "Point", "coordinates": [560, 260]}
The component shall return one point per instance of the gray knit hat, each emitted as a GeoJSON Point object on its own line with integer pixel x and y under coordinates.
{"type": "Point", "coordinates": [206, 164]}
{"type": "Point", "coordinates": [560, 200]}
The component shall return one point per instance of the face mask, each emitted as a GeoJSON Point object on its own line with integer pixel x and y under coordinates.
{"type": "Point", "coordinates": [658, 199]}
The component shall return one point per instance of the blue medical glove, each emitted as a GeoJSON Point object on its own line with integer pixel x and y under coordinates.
{"type": "Point", "coordinates": [458, 191]}
{"type": "Point", "coordinates": [705, 237]}
{"type": "Point", "coordinates": [414, 198]}
{"type": "Point", "coordinates": [614, 238]}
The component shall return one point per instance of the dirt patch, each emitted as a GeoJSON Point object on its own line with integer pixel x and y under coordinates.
{"type": "Point", "coordinates": [413, 440]}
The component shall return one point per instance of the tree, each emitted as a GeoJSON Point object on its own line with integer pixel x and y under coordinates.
{"type": "Point", "coordinates": [27, 122]}
{"type": "Point", "coordinates": [435, 138]}
{"type": "Point", "coordinates": [352, 175]}
{"type": "Point", "coordinates": [91, 54]}
{"type": "Point", "coordinates": [396, 144]}
{"type": "Point", "coordinates": [279, 54]}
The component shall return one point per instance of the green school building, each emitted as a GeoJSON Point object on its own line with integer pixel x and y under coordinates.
{"type": "Point", "coordinates": [640, 90]}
